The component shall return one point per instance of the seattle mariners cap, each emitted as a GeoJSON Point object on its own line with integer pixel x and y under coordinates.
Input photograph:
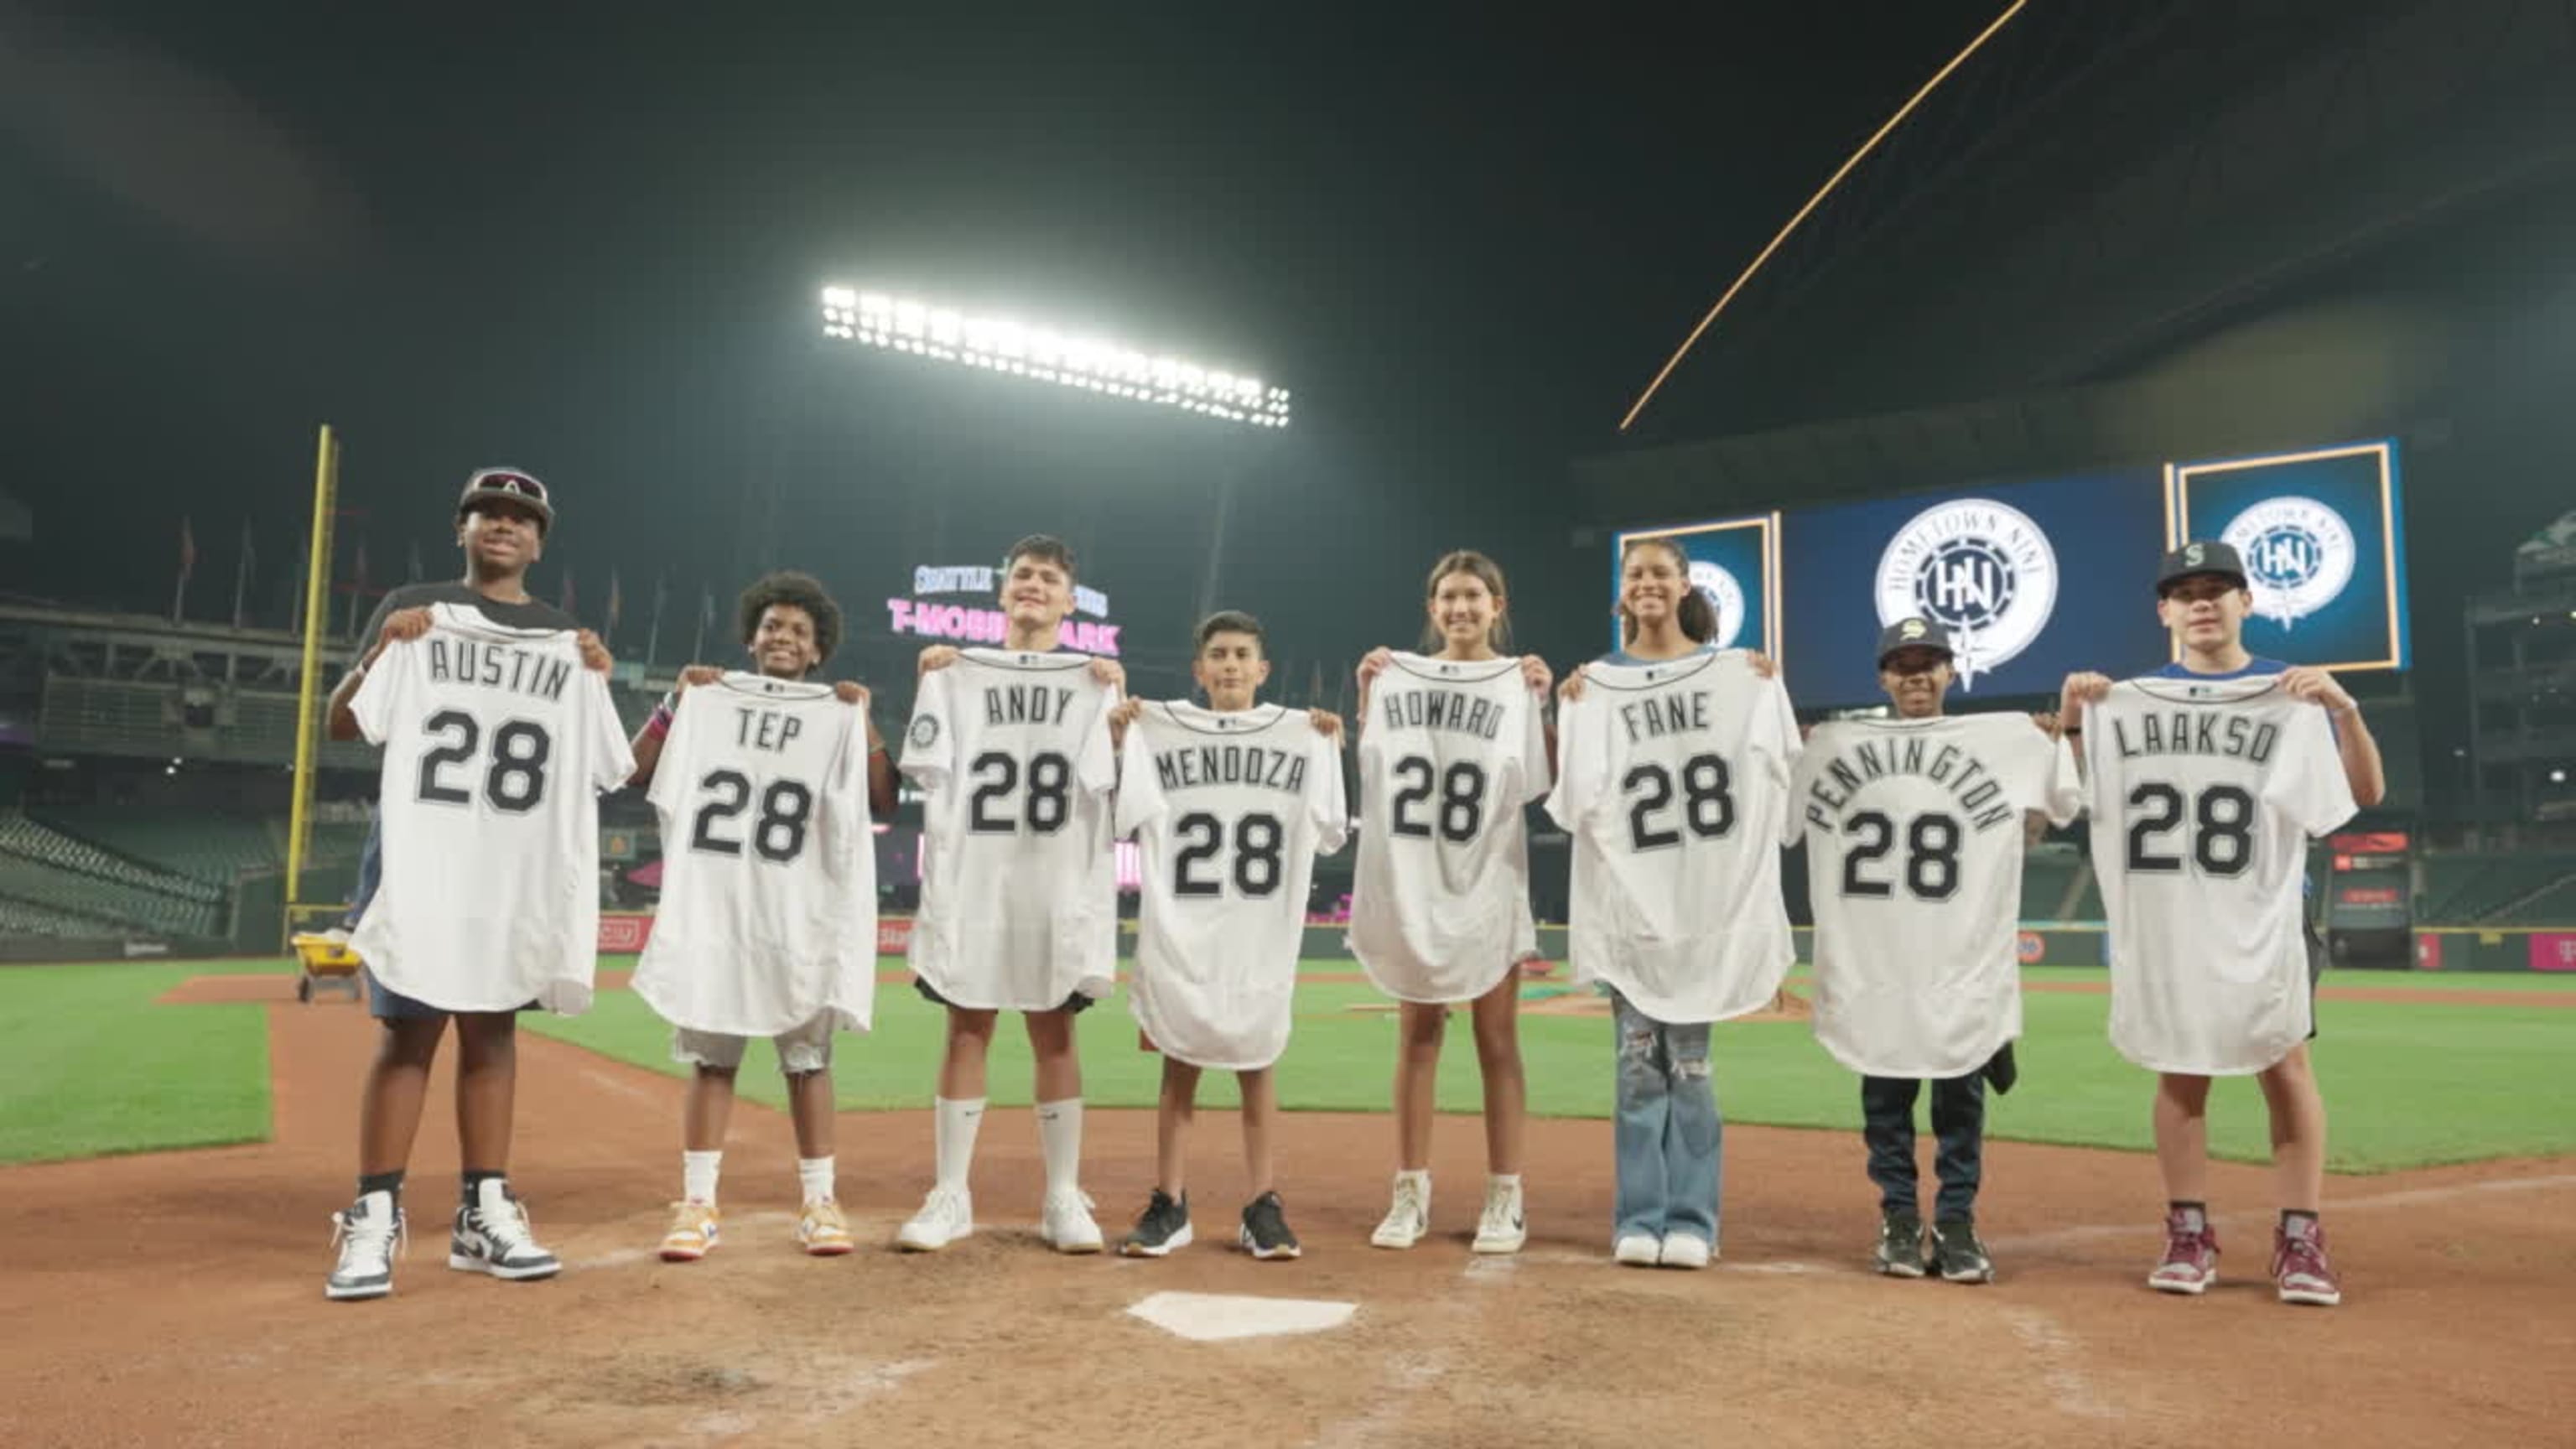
{"type": "Point", "coordinates": [1913, 634]}
{"type": "Point", "coordinates": [515, 484]}
{"type": "Point", "coordinates": [2206, 556]}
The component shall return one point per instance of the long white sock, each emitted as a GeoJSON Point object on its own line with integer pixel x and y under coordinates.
{"type": "Point", "coordinates": [816, 1175]}
{"type": "Point", "coordinates": [953, 1138]}
{"type": "Point", "coordinates": [698, 1175]}
{"type": "Point", "coordinates": [1060, 1138]}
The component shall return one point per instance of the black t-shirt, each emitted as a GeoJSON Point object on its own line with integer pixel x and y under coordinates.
{"type": "Point", "coordinates": [530, 615]}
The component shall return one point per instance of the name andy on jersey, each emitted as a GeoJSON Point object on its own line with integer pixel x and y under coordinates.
{"type": "Point", "coordinates": [1965, 776]}
{"type": "Point", "coordinates": [2221, 734]}
{"type": "Point", "coordinates": [1009, 704]}
{"type": "Point", "coordinates": [1230, 765]}
{"type": "Point", "coordinates": [497, 666]}
{"type": "Point", "coordinates": [1443, 709]}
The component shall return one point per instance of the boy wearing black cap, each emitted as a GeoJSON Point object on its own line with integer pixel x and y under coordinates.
{"type": "Point", "coordinates": [1915, 829]}
{"type": "Point", "coordinates": [502, 519]}
{"type": "Point", "coordinates": [2203, 597]}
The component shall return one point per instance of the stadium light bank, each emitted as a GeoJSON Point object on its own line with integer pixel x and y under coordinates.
{"type": "Point", "coordinates": [998, 344]}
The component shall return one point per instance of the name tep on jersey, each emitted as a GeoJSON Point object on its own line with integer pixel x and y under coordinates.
{"type": "Point", "coordinates": [1968, 779]}
{"type": "Point", "coordinates": [506, 667]}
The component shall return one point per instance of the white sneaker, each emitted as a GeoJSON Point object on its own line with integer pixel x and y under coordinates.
{"type": "Point", "coordinates": [1686, 1250]}
{"type": "Point", "coordinates": [1068, 1226]}
{"type": "Point", "coordinates": [947, 1215]}
{"type": "Point", "coordinates": [1502, 1229]}
{"type": "Point", "coordinates": [1637, 1250]}
{"type": "Point", "coordinates": [494, 1236]}
{"type": "Point", "coordinates": [368, 1235]}
{"type": "Point", "coordinates": [1410, 1216]}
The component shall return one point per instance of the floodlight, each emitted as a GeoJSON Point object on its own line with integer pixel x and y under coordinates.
{"type": "Point", "coordinates": [1017, 349]}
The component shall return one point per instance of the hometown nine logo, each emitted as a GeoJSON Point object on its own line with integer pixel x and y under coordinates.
{"type": "Point", "coordinates": [1725, 597]}
{"type": "Point", "coordinates": [1980, 567]}
{"type": "Point", "coordinates": [2298, 553]}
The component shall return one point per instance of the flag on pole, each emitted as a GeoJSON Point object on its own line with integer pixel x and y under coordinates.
{"type": "Point", "coordinates": [241, 578]}
{"type": "Point", "coordinates": [358, 590]}
{"type": "Point", "coordinates": [706, 616]}
{"type": "Point", "coordinates": [187, 566]}
{"type": "Point", "coordinates": [616, 606]}
{"type": "Point", "coordinates": [653, 636]}
{"type": "Point", "coordinates": [566, 605]}
{"type": "Point", "coordinates": [411, 566]}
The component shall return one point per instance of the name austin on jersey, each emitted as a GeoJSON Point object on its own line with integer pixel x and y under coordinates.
{"type": "Point", "coordinates": [1443, 709]}
{"type": "Point", "coordinates": [2218, 734]}
{"type": "Point", "coordinates": [1188, 765]}
{"type": "Point", "coordinates": [1965, 776]}
{"type": "Point", "coordinates": [497, 666]}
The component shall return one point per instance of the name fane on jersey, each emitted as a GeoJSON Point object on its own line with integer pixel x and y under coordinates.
{"type": "Point", "coordinates": [1964, 775]}
{"type": "Point", "coordinates": [1179, 769]}
{"type": "Point", "coordinates": [496, 666]}
{"type": "Point", "coordinates": [1443, 709]}
{"type": "Point", "coordinates": [1671, 714]}
{"type": "Point", "coordinates": [2220, 734]}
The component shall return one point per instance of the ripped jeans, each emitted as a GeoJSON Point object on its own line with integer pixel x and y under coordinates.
{"type": "Point", "coordinates": [1668, 1132]}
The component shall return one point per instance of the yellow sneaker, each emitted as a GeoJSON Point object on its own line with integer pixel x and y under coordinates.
{"type": "Point", "coordinates": [692, 1234]}
{"type": "Point", "coordinates": [822, 1229]}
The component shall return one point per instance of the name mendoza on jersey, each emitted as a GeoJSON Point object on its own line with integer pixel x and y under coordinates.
{"type": "Point", "coordinates": [2216, 733]}
{"type": "Point", "coordinates": [1230, 765]}
{"type": "Point", "coordinates": [1443, 709]}
{"type": "Point", "coordinates": [1964, 775]}
{"type": "Point", "coordinates": [496, 666]}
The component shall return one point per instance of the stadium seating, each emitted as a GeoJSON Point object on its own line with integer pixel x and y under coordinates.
{"type": "Point", "coordinates": [23, 918]}
{"type": "Point", "coordinates": [2552, 908]}
{"type": "Point", "coordinates": [62, 889]}
{"type": "Point", "coordinates": [23, 836]}
{"type": "Point", "coordinates": [212, 849]}
{"type": "Point", "coordinates": [2469, 890]}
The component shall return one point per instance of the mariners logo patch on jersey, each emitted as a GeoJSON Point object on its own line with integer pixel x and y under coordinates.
{"type": "Point", "coordinates": [1983, 569]}
{"type": "Point", "coordinates": [2298, 554]}
{"type": "Point", "coordinates": [1725, 597]}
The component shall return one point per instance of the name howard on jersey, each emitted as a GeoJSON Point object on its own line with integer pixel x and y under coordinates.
{"type": "Point", "coordinates": [1660, 718]}
{"type": "Point", "coordinates": [497, 666]}
{"type": "Point", "coordinates": [1010, 704]}
{"type": "Point", "coordinates": [1230, 765]}
{"type": "Point", "coordinates": [1442, 709]}
{"type": "Point", "coordinates": [2218, 734]}
{"type": "Point", "coordinates": [1967, 778]}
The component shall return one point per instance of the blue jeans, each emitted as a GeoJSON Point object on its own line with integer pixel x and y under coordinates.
{"type": "Point", "coordinates": [371, 873]}
{"type": "Point", "coordinates": [1668, 1133]}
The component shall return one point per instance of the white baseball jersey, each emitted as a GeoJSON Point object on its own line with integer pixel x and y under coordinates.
{"type": "Point", "coordinates": [498, 744]}
{"type": "Point", "coordinates": [1229, 811]}
{"type": "Point", "coordinates": [1450, 753]}
{"type": "Point", "coordinates": [1672, 778]}
{"type": "Point", "coordinates": [769, 868]}
{"type": "Point", "coordinates": [1914, 850]}
{"type": "Point", "coordinates": [2203, 795]}
{"type": "Point", "coordinates": [1019, 886]}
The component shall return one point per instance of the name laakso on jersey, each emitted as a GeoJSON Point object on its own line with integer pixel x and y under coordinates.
{"type": "Point", "coordinates": [1442, 709]}
{"type": "Point", "coordinates": [1966, 777]}
{"type": "Point", "coordinates": [2218, 734]}
{"type": "Point", "coordinates": [1254, 765]}
{"type": "Point", "coordinates": [496, 666]}
{"type": "Point", "coordinates": [1010, 704]}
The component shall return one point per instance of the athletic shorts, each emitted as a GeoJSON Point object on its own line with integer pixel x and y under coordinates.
{"type": "Point", "coordinates": [386, 1004]}
{"type": "Point", "coordinates": [1076, 1003]}
{"type": "Point", "coordinates": [806, 1048]}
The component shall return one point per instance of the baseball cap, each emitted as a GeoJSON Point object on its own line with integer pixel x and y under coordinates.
{"type": "Point", "coordinates": [2204, 556]}
{"type": "Point", "coordinates": [515, 484]}
{"type": "Point", "coordinates": [1916, 633]}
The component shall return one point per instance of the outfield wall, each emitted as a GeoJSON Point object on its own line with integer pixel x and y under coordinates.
{"type": "Point", "coordinates": [2467, 948]}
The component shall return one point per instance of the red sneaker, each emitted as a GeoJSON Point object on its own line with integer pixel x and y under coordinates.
{"type": "Point", "coordinates": [2191, 1257]}
{"type": "Point", "coordinates": [2299, 1267]}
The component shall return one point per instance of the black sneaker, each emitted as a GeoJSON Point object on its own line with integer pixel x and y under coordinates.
{"type": "Point", "coordinates": [1958, 1255]}
{"type": "Point", "coordinates": [1165, 1226]}
{"type": "Point", "coordinates": [1901, 1253]}
{"type": "Point", "coordinates": [1265, 1229]}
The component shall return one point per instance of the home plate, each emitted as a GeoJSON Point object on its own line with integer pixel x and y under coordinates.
{"type": "Point", "coordinates": [1211, 1317]}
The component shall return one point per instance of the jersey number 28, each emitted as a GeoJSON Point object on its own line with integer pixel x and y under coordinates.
{"type": "Point", "coordinates": [515, 782]}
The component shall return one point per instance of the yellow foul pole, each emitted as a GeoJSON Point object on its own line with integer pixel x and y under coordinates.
{"type": "Point", "coordinates": [309, 696]}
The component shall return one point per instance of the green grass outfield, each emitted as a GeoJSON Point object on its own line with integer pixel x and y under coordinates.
{"type": "Point", "coordinates": [91, 1067]}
